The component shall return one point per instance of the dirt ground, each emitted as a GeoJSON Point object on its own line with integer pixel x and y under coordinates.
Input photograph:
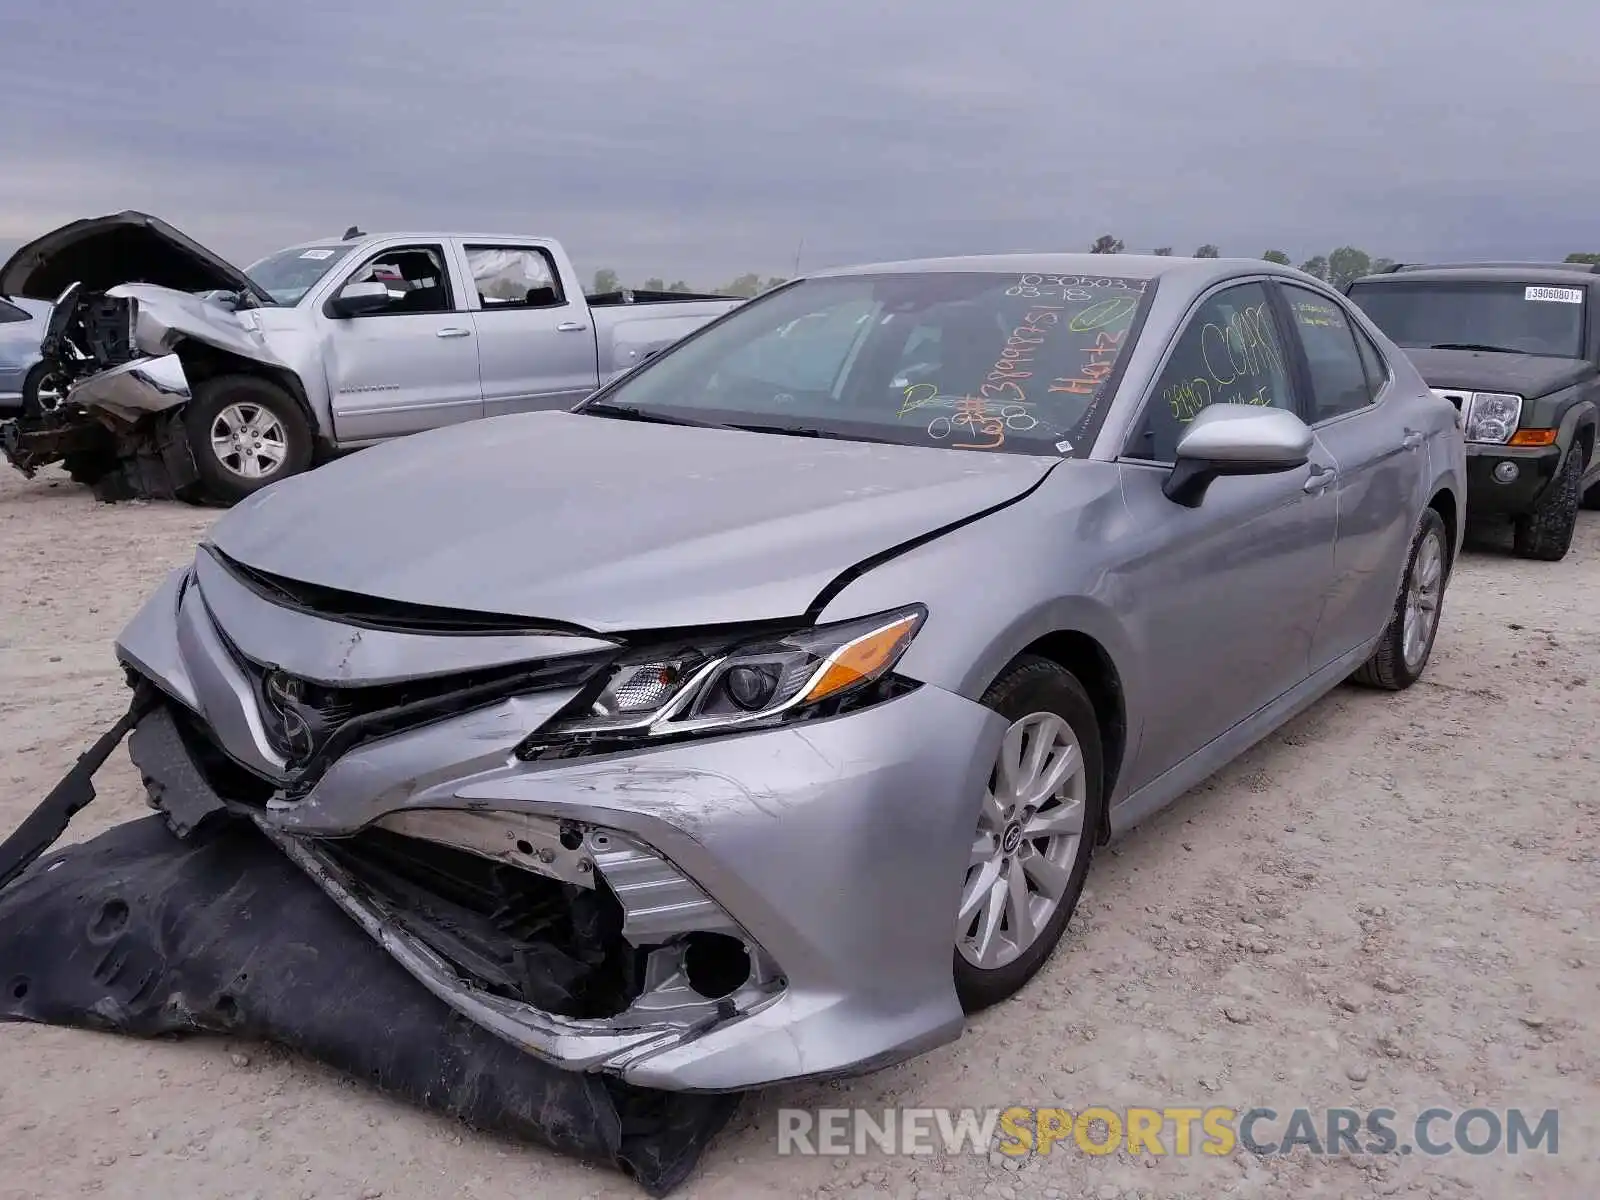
{"type": "Point", "coordinates": [1391, 903]}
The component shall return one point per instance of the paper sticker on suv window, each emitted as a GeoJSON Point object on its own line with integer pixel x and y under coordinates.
{"type": "Point", "coordinates": [321, 254]}
{"type": "Point", "coordinates": [1558, 295]}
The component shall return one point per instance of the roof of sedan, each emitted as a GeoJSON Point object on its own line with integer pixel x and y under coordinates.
{"type": "Point", "coordinates": [1126, 266]}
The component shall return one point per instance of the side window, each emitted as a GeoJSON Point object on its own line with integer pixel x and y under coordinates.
{"type": "Point", "coordinates": [1372, 360]}
{"type": "Point", "coordinates": [1339, 381]}
{"type": "Point", "coordinates": [416, 277]}
{"type": "Point", "coordinates": [11, 314]}
{"type": "Point", "coordinates": [514, 277]}
{"type": "Point", "coordinates": [1229, 353]}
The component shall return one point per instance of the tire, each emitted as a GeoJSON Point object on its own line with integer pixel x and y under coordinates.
{"type": "Point", "coordinates": [1032, 690]}
{"type": "Point", "coordinates": [1389, 668]}
{"type": "Point", "coordinates": [266, 416]}
{"type": "Point", "coordinates": [35, 381]}
{"type": "Point", "coordinates": [1546, 532]}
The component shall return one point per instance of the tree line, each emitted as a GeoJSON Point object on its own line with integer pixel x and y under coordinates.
{"type": "Point", "coordinates": [1338, 267]}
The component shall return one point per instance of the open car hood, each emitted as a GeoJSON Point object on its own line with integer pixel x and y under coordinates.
{"type": "Point", "coordinates": [127, 247]}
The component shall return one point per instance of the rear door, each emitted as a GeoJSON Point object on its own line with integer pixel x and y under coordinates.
{"type": "Point", "coordinates": [1379, 457]}
{"type": "Point", "coordinates": [410, 365]}
{"type": "Point", "coordinates": [1224, 597]}
{"type": "Point", "coordinates": [536, 343]}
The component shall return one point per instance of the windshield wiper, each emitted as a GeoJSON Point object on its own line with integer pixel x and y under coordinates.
{"type": "Point", "coordinates": [1473, 346]}
{"type": "Point", "coordinates": [628, 412]}
{"type": "Point", "coordinates": [812, 431]}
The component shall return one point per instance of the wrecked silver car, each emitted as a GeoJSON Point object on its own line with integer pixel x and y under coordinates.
{"type": "Point", "coordinates": [759, 719]}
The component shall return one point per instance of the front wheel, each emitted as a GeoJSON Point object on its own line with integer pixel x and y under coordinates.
{"type": "Point", "coordinates": [245, 433]}
{"type": "Point", "coordinates": [1546, 532]}
{"type": "Point", "coordinates": [1035, 832]}
{"type": "Point", "coordinates": [1407, 643]}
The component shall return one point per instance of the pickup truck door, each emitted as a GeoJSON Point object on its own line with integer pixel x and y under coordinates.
{"type": "Point", "coordinates": [411, 365]}
{"type": "Point", "coordinates": [536, 339]}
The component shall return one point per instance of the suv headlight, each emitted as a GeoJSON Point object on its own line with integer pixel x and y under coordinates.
{"type": "Point", "coordinates": [690, 688]}
{"type": "Point", "coordinates": [1492, 417]}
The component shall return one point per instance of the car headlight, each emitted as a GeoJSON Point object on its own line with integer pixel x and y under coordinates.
{"type": "Point", "coordinates": [1492, 417]}
{"type": "Point", "coordinates": [700, 687]}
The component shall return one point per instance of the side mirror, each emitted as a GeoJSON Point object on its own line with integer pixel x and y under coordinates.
{"type": "Point", "coordinates": [357, 298]}
{"type": "Point", "coordinates": [1235, 439]}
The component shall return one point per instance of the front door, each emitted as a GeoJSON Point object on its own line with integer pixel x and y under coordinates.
{"type": "Point", "coordinates": [536, 344]}
{"type": "Point", "coordinates": [1380, 475]}
{"type": "Point", "coordinates": [1224, 598]}
{"type": "Point", "coordinates": [411, 365]}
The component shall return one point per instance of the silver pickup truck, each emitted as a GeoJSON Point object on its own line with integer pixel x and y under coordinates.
{"type": "Point", "coordinates": [174, 373]}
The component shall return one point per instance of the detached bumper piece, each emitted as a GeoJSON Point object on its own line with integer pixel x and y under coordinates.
{"type": "Point", "coordinates": [136, 932]}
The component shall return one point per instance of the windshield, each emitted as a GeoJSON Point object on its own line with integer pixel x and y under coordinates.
{"type": "Point", "coordinates": [972, 361]}
{"type": "Point", "coordinates": [1518, 318]}
{"type": "Point", "coordinates": [289, 274]}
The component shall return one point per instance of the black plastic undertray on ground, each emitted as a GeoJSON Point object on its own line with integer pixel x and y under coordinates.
{"type": "Point", "coordinates": [135, 932]}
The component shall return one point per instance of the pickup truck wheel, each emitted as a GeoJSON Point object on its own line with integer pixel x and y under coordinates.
{"type": "Point", "coordinates": [1035, 832]}
{"type": "Point", "coordinates": [245, 433]}
{"type": "Point", "coordinates": [1407, 643]}
{"type": "Point", "coordinates": [1546, 532]}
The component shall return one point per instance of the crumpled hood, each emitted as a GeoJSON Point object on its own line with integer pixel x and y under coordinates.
{"type": "Point", "coordinates": [608, 524]}
{"type": "Point", "coordinates": [127, 247]}
{"type": "Point", "coordinates": [1527, 375]}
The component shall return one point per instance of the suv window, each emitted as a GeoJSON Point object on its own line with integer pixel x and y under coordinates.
{"type": "Point", "coordinates": [514, 277]}
{"type": "Point", "coordinates": [416, 277]}
{"type": "Point", "coordinates": [11, 314]}
{"type": "Point", "coordinates": [1229, 353]}
{"type": "Point", "coordinates": [1339, 382]}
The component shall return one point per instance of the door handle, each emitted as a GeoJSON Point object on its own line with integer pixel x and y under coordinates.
{"type": "Point", "coordinates": [1412, 439]}
{"type": "Point", "coordinates": [453, 332]}
{"type": "Point", "coordinates": [571, 327]}
{"type": "Point", "coordinates": [1321, 477]}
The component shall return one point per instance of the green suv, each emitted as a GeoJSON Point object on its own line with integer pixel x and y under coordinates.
{"type": "Point", "coordinates": [1516, 348]}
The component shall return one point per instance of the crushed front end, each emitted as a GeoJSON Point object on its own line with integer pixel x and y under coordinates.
{"type": "Point", "coordinates": [107, 410]}
{"type": "Point", "coordinates": [579, 943]}
{"type": "Point", "coordinates": [705, 913]}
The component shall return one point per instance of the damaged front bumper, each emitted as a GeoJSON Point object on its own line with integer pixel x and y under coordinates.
{"type": "Point", "coordinates": [711, 915]}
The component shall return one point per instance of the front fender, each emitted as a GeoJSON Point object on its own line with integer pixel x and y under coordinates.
{"type": "Point", "coordinates": [998, 585]}
{"type": "Point", "coordinates": [167, 317]}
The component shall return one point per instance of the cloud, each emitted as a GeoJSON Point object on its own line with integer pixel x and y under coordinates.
{"type": "Point", "coordinates": [703, 138]}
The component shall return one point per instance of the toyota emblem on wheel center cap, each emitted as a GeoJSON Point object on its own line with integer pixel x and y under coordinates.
{"type": "Point", "coordinates": [1012, 838]}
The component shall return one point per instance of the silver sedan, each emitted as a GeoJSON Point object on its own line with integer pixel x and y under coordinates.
{"type": "Point", "coordinates": [759, 718]}
{"type": "Point", "coordinates": [21, 330]}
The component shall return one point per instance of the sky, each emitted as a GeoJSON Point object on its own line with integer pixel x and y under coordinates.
{"type": "Point", "coordinates": [701, 139]}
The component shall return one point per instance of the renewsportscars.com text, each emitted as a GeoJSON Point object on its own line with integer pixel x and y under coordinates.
{"type": "Point", "coordinates": [1168, 1130]}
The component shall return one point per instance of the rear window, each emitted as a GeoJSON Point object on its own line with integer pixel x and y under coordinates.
{"type": "Point", "coordinates": [1516, 318]}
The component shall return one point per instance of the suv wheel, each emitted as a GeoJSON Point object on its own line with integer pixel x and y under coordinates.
{"type": "Point", "coordinates": [1546, 532]}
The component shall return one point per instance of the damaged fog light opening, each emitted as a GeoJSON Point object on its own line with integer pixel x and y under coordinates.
{"type": "Point", "coordinates": [715, 964]}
